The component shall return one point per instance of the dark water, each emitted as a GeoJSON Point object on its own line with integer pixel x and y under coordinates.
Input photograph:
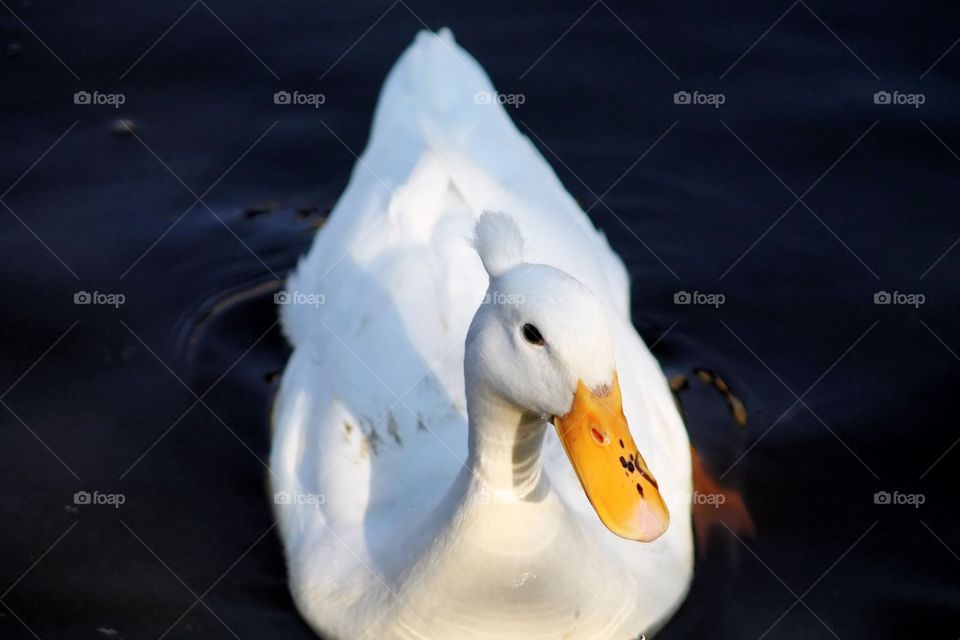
{"type": "Point", "coordinates": [106, 399]}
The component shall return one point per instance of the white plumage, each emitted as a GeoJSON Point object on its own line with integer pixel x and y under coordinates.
{"type": "Point", "coordinates": [498, 242]}
{"type": "Point", "coordinates": [387, 531]}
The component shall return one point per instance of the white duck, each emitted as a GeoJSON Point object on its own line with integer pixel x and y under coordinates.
{"type": "Point", "coordinates": [419, 490]}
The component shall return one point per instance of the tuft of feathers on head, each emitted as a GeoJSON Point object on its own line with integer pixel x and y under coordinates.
{"type": "Point", "coordinates": [497, 239]}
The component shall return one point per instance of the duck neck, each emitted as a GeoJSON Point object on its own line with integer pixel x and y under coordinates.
{"type": "Point", "coordinates": [504, 444]}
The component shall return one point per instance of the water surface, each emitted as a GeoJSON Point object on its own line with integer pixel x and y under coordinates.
{"type": "Point", "coordinates": [797, 199]}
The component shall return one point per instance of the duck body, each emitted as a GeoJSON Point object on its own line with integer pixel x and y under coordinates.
{"type": "Point", "coordinates": [413, 500]}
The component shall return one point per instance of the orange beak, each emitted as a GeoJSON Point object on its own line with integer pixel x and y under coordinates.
{"type": "Point", "coordinates": [613, 474]}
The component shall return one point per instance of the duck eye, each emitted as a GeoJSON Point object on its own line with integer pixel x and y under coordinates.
{"type": "Point", "coordinates": [532, 335]}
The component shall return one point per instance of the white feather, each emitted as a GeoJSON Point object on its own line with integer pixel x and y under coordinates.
{"type": "Point", "coordinates": [498, 240]}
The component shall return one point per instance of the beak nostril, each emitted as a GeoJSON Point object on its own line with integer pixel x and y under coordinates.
{"type": "Point", "coordinates": [599, 436]}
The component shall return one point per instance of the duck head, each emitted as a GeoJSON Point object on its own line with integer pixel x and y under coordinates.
{"type": "Point", "coordinates": [541, 343]}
